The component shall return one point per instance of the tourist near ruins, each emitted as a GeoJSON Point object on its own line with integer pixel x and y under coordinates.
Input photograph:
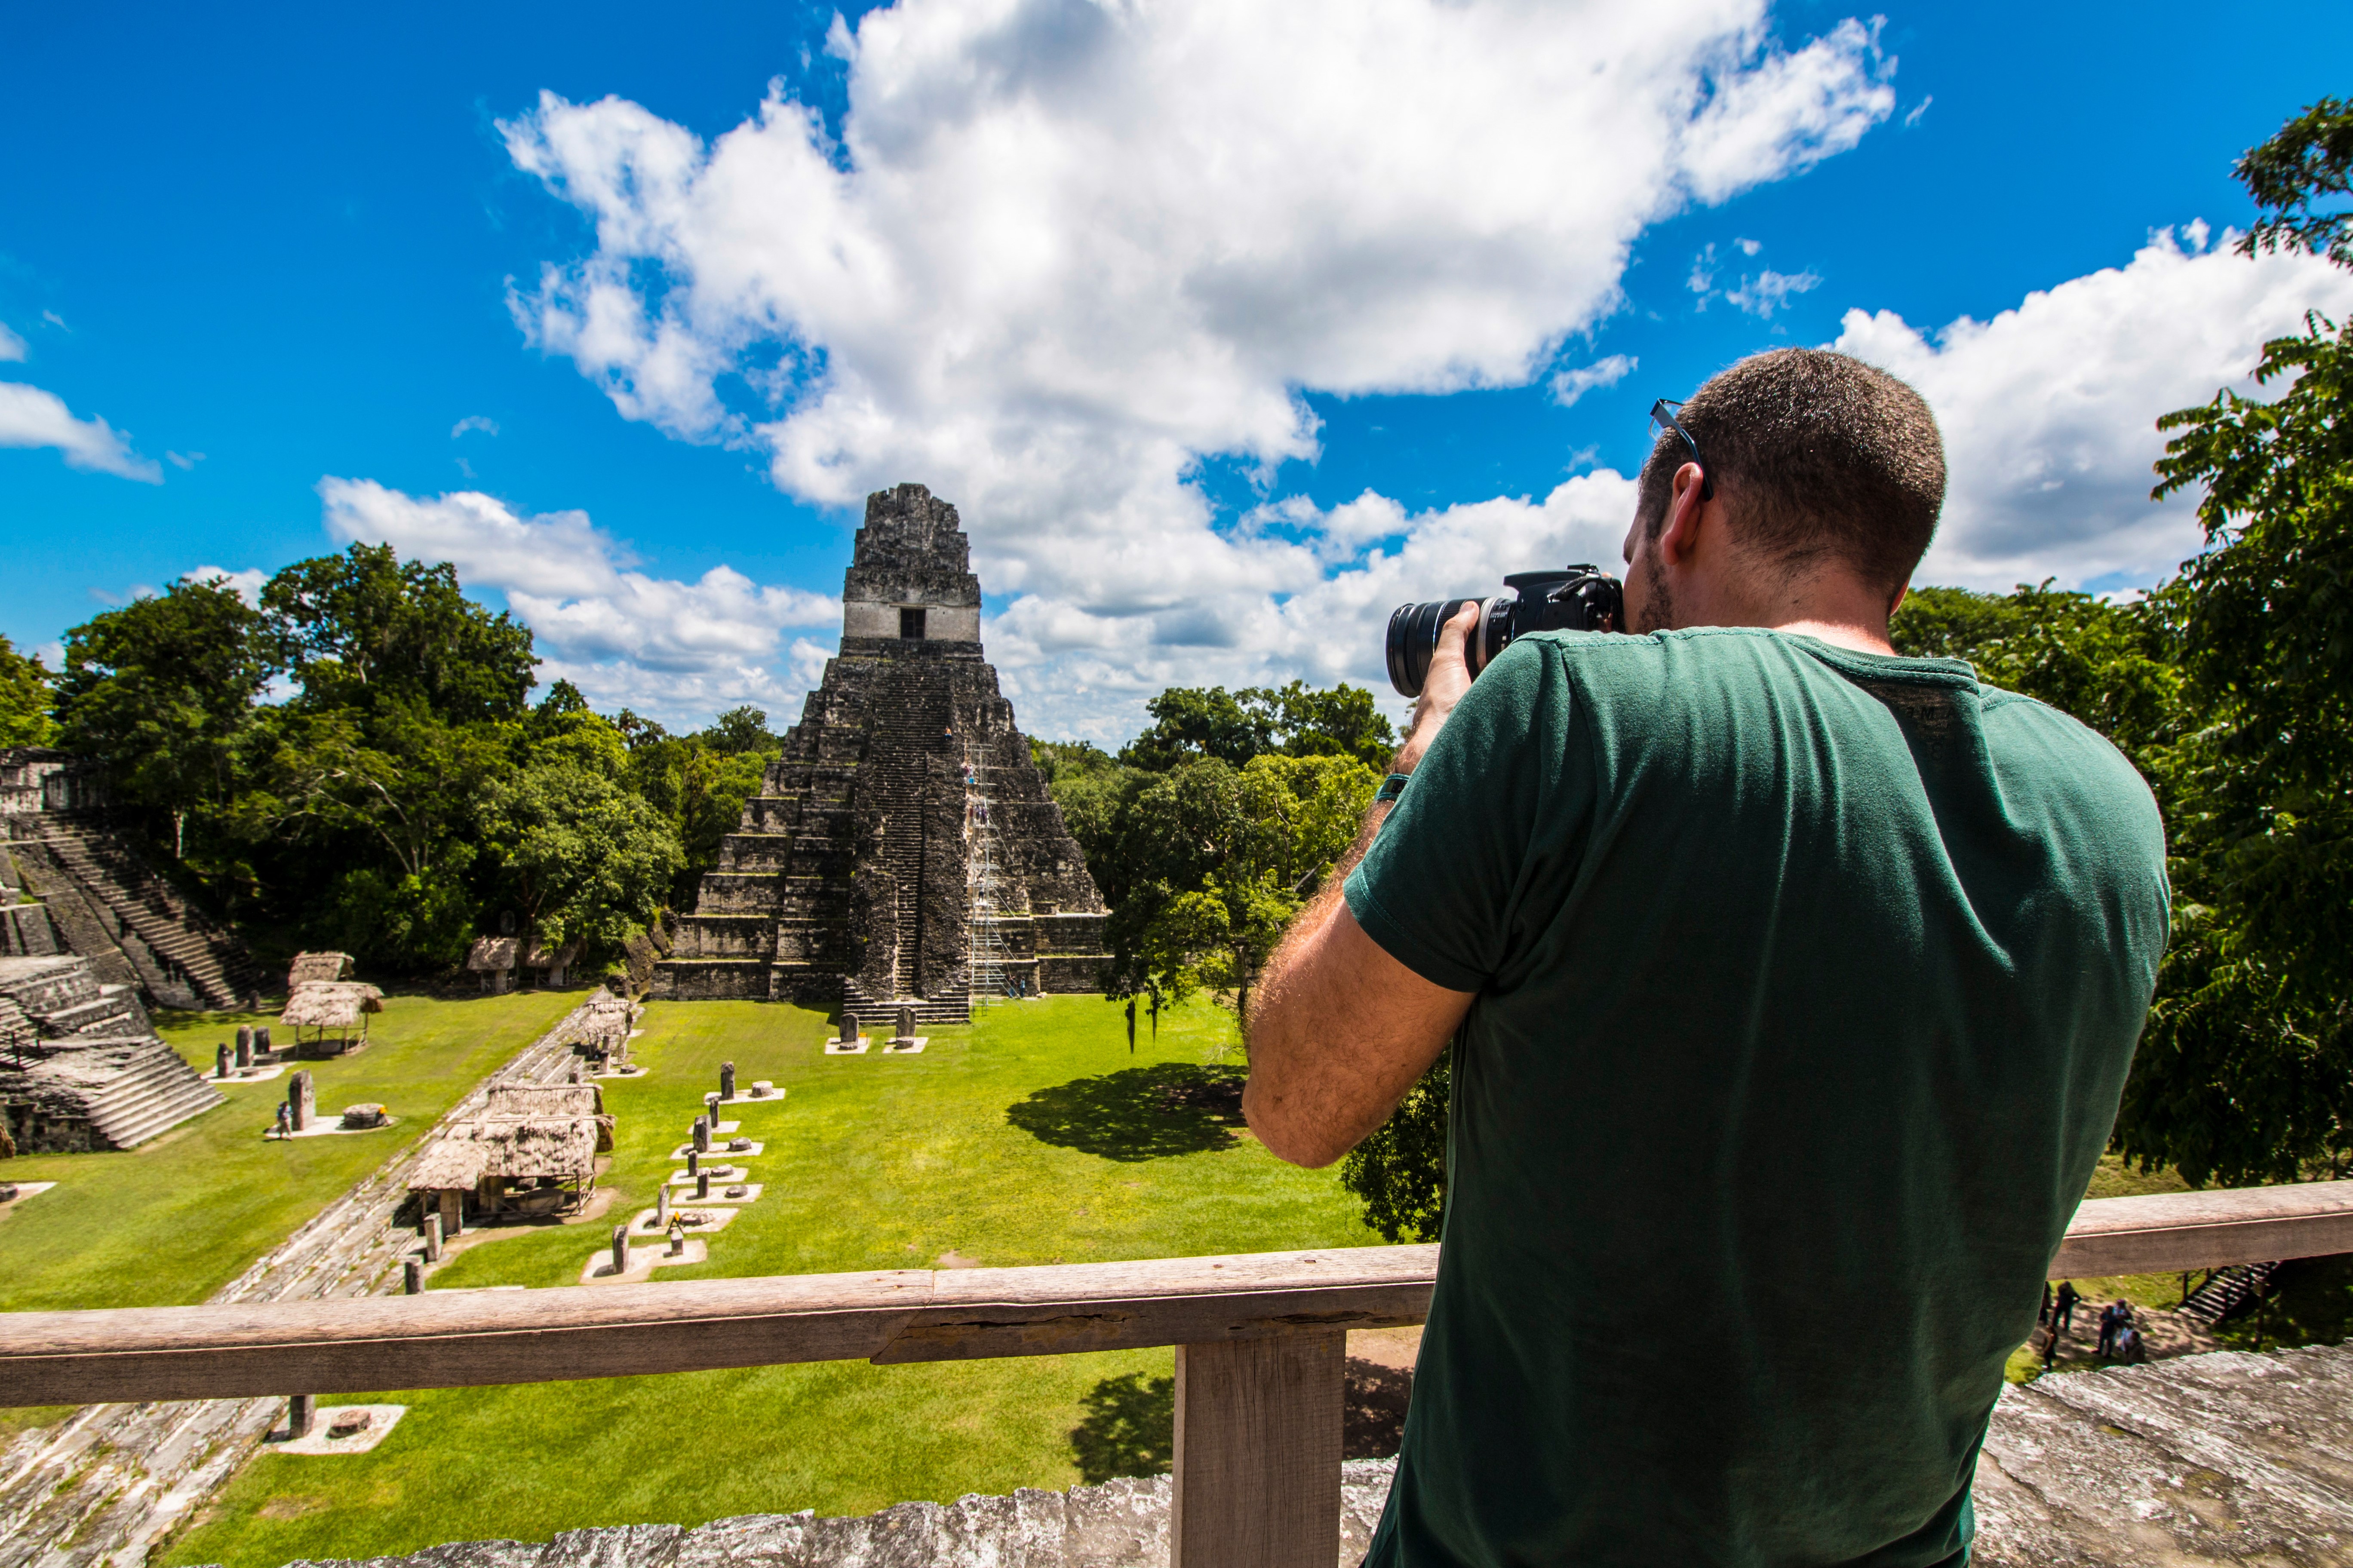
{"type": "Point", "coordinates": [867, 907]}
{"type": "Point", "coordinates": [685, 708]}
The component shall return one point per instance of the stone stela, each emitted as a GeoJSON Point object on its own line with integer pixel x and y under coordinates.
{"type": "Point", "coordinates": [849, 881]}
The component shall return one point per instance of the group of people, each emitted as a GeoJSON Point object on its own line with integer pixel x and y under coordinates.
{"type": "Point", "coordinates": [2119, 1333]}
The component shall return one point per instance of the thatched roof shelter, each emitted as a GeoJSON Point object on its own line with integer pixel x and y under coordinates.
{"type": "Point", "coordinates": [542, 956]}
{"type": "Point", "coordinates": [551, 1148]}
{"type": "Point", "coordinates": [551, 1102]}
{"type": "Point", "coordinates": [330, 1004]}
{"type": "Point", "coordinates": [321, 1008]}
{"type": "Point", "coordinates": [310, 966]}
{"type": "Point", "coordinates": [494, 953]}
{"type": "Point", "coordinates": [522, 1101]}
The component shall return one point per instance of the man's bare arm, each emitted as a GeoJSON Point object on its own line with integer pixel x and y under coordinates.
{"type": "Point", "coordinates": [1341, 1029]}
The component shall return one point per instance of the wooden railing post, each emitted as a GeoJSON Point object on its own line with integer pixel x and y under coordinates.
{"type": "Point", "coordinates": [1258, 1452]}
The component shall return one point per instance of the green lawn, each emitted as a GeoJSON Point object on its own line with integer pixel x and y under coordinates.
{"type": "Point", "coordinates": [172, 1221]}
{"type": "Point", "coordinates": [1033, 1137]}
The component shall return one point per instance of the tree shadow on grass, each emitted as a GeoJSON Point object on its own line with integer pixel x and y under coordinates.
{"type": "Point", "coordinates": [1130, 1426]}
{"type": "Point", "coordinates": [1129, 1429]}
{"type": "Point", "coordinates": [1139, 1113]}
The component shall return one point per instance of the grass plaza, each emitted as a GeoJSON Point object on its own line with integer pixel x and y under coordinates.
{"type": "Point", "coordinates": [1032, 1136]}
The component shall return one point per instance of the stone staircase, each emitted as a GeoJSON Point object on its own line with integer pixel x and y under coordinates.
{"type": "Point", "coordinates": [876, 1015]}
{"type": "Point", "coordinates": [213, 966]}
{"type": "Point", "coordinates": [93, 1075]}
{"type": "Point", "coordinates": [2227, 1290]}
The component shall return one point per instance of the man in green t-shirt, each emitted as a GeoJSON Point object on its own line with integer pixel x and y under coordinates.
{"type": "Point", "coordinates": [1793, 985]}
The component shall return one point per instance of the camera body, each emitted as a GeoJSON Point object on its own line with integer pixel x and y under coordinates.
{"type": "Point", "coordinates": [1579, 598]}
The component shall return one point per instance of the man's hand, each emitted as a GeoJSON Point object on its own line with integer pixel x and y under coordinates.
{"type": "Point", "coordinates": [1442, 689]}
{"type": "Point", "coordinates": [1341, 1029]}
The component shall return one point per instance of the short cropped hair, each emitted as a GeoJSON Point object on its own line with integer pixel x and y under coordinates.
{"type": "Point", "coordinates": [1817, 457]}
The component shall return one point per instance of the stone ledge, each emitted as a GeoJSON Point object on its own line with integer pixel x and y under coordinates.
{"type": "Point", "coordinates": [2222, 1458]}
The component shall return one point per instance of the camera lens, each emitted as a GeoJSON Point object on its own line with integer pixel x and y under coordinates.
{"type": "Point", "coordinates": [1413, 640]}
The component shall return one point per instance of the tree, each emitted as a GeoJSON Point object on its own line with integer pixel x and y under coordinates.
{"type": "Point", "coordinates": [1208, 863]}
{"type": "Point", "coordinates": [2311, 157]}
{"type": "Point", "coordinates": [387, 806]}
{"type": "Point", "coordinates": [2244, 1070]}
{"type": "Point", "coordinates": [162, 693]}
{"type": "Point", "coordinates": [1298, 720]}
{"type": "Point", "coordinates": [581, 857]}
{"type": "Point", "coordinates": [365, 627]}
{"type": "Point", "coordinates": [741, 730]}
{"type": "Point", "coordinates": [25, 699]}
{"type": "Point", "coordinates": [1399, 1171]}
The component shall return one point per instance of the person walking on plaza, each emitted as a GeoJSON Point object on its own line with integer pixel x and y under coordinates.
{"type": "Point", "coordinates": [1777, 968]}
{"type": "Point", "coordinates": [2065, 1305]}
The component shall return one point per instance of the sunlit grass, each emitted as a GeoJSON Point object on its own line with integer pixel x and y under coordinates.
{"type": "Point", "coordinates": [1033, 1137]}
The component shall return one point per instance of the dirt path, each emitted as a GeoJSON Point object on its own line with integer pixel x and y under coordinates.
{"type": "Point", "coordinates": [104, 1485]}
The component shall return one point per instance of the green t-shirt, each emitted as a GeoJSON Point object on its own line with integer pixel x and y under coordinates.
{"type": "Point", "coordinates": [1807, 983]}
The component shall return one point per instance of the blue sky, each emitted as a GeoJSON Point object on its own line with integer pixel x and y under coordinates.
{"type": "Point", "coordinates": [1227, 327]}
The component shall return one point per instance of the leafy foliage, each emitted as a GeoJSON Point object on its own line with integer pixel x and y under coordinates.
{"type": "Point", "coordinates": [1400, 1170]}
{"type": "Point", "coordinates": [162, 691]}
{"type": "Point", "coordinates": [365, 627]}
{"type": "Point", "coordinates": [2310, 158]}
{"type": "Point", "coordinates": [25, 699]}
{"type": "Point", "coordinates": [1193, 722]}
{"type": "Point", "coordinates": [2246, 1069]}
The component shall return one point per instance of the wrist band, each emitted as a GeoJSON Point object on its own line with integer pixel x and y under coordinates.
{"type": "Point", "coordinates": [1391, 787]}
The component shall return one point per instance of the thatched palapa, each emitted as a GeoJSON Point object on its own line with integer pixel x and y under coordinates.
{"type": "Point", "coordinates": [493, 958]}
{"type": "Point", "coordinates": [552, 962]}
{"type": "Point", "coordinates": [556, 1148]}
{"type": "Point", "coordinates": [324, 1013]}
{"type": "Point", "coordinates": [549, 1102]}
{"type": "Point", "coordinates": [318, 966]}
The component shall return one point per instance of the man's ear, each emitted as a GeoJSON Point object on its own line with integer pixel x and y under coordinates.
{"type": "Point", "coordinates": [1679, 532]}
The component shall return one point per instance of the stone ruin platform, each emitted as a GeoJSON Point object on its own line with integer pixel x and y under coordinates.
{"type": "Point", "coordinates": [2222, 1458]}
{"type": "Point", "coordinates": [81, 1069]}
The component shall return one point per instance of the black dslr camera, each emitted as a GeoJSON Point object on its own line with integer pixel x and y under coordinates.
{"type": "Point", "coordinates": [1580, 599]}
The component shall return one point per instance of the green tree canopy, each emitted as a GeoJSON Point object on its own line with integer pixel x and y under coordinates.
{"type": "Point", "coordinates": [365, 627]}
{"type": "Point", "coordinates": [25, 699]}
{"type": "Point", "coordinates": [741, 730]}
{"type": "Point", "coordinates": [2246, 1070]}
{"type": "Point", "coordinates": [1299, 720]}
{"type": "Point", "coordinates": [162, 693]}
{"type": "Point", "coordinates": [1204, 865]}
{"type": "Point", "coordinates": [580, 855]}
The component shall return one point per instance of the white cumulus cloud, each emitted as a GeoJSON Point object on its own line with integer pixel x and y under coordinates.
{"type": "Point", "coordinates": [2048, 410]}
{"type": "Point", "coordinates": [675, 649]}
{"type": "Point", "coordinates": [246, 584]}
{"type": "Point", "coordinates": [1571, 384]}
{"type": "Point", "coordinates": [32, 418]}
{"type": "Point", "coordinates": [1055, 253]}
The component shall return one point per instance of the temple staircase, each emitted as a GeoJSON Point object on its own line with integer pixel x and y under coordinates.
{"type": "Point", "coordinates": [907, 726]}
{"type": "Point", "coordinates": [212, 964]}
{"type": "Point", "coordinates": [90, 1060]}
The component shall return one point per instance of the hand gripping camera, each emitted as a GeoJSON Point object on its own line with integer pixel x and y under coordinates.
{"type": "Point", "coordinates": [1580, 599]}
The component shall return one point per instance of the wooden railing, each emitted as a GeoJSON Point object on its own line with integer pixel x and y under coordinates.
{"type": "Point", "coordinates": [1260, 1340]}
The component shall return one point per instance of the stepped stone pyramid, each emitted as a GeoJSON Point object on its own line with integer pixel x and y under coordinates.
{"type": "Point", "coordinates": [80, 1067]}
{"type": "Point", "coordinates": [68, 885]}
{"type": "Point", "coordinates": [852, 879]}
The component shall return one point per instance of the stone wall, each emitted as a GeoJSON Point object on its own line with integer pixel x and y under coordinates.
{"type": "Point", "coordinates": [2224, 1458]}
